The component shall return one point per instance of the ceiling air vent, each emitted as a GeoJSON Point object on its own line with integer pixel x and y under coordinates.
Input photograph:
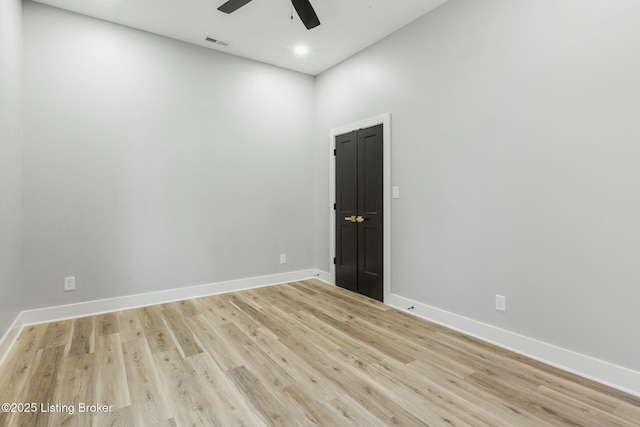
{"type": "Point", "coordinates": [216, 41]}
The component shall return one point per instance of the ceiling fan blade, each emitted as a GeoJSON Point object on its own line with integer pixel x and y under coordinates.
{"type": "Point", "coordinates": [232, 5]}
{"type": "Point", "coordinates": [306, 13]}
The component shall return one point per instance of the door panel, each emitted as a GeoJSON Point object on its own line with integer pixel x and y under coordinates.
{"type": "Point", "coordinates": [370, 202]}
{"type": "Point", "coordinates": [372, 262]}
{"type": "Point", "coordinates": [347, 192]}
{"type": "Point", "coordinates": [346, 206]}
{"type": "Point", "coordinates": [359, 245]}
{"type": "Point", "coordinates": [347, 257]}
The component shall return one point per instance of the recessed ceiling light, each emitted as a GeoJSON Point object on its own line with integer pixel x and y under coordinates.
{"type": "Point", "coordinates": [301, 50]}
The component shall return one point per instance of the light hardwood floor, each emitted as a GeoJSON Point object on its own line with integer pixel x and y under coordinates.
{"type": "Point", "coordinates": [296, 354]}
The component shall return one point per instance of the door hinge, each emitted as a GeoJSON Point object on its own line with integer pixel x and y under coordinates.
{"type": "Point", "coordinates": [334, 260]}
{"type": "Point", "coordinates": [335, 152]}
{"type": "Point", "coordinates": [334, 206]}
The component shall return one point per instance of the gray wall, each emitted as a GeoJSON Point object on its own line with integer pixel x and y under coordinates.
{"type": "Point", "coordinates": [152, 164]}
{"type": "Point", "coordinates": [10, 161]}
{"type": "Point", "coordinates": [515, 143]}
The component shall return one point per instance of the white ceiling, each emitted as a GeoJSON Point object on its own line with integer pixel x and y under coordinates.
{"type": "Point", "coordinates": [263, 30]}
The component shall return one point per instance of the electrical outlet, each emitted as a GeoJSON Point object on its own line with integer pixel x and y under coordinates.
{"type": "Point", "coordinates": [501, 303]}
{"type": "Point", "coordinates": [283, 258]}
{"type": "Point", "coordinates": [69, 284]}
{"type": "Point", "coordinates": [395, 192]}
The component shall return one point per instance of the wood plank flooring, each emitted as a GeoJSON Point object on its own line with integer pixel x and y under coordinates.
{"type": "Point", "coordinates": [297, 354]}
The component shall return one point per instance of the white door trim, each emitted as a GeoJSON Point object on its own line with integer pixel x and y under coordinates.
{"type": "Point", "coordinates": [385, 121]}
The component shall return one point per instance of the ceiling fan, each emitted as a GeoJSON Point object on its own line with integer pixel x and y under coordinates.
{"type": "Point", "coordinates": [303, 7]}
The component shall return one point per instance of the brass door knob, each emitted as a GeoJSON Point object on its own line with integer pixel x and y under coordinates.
{"type": "Point", "coordinates": [359, 219]}
{"type": "Point", "coordinates": [350, 218]}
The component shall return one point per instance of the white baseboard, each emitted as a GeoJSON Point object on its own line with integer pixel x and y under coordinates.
{"type": "Point", "coordinates": [325, 276]}
{"type": "Point", "coordinates": [90, 308]}
{"type": "Point", "coordinates": [618, 377]}
{"type": "Point", "coordinates": [9, 338]}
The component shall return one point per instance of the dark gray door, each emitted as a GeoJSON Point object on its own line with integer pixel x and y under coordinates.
{"type": "Point", "coordinates": [359, 232]}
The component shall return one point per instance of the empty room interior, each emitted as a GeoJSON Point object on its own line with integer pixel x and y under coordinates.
{"type": "Point", "coordinates": [428, 214]}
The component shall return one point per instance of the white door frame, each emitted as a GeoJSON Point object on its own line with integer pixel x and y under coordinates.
{"type": "Point", "coordinates": [385, 121]}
